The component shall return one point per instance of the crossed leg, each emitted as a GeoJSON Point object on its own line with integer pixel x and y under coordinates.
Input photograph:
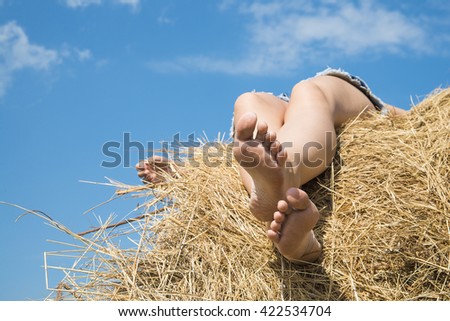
{"type": "Point", "coordinates": [280, 146]}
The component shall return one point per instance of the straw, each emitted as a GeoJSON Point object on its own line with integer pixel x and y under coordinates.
{"type": "Point", "coordinates": [384, 226]}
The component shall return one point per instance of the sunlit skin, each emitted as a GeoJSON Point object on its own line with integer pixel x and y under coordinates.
{"type": "Point", "coordinates": [282, 145]}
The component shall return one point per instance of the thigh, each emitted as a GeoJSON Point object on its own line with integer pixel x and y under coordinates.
{"type": "Point", "coordinates": [308, 135]}
{"type": "Point", "coordinates": [267, 107]}
{"type": "Point", "coordinates": [346, 100]}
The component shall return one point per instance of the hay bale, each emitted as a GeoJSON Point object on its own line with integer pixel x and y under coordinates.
{"type": "Point", "coordinates": [384, 226]}
{"type": "Point", "coordinates": [388, 238]}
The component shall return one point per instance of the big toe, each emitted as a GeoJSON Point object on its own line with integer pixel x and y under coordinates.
{"type": "Point", "coordinates": [245, 127]}
{"type": "Point", "coordinates": [297, 199]}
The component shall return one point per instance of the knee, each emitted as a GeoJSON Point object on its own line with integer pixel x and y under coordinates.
{"type": "Point", "coordinates": [306, 86]}
{"type": "Point", "coordinates": [317, 89]}
{"type": "Point", "coordinates": [246, 100]}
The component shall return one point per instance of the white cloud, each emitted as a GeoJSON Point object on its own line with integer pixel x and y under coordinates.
{"type": "Point", "coordinates": [101, 63]}
{"type": "Point", "coordinates": [5, 79]}
{"type": "Point", "coordinates": [16, 53]}
{"type": "Point", "coordinates": [226, 4]}
{"type": "Point", "coordinates": [84, 54]}
{"type": "Point", "coordinates": [285, 34]}
{"type": "Point", "coordinates": [134, 4]}
{"type": "Point", "coordinates": [71, 53]}
{"type": "Point", "coordinates": [164, 19]}
{"type": "Point", "coordinates": [167, 67]}
{"type": "Point", "coordinates": [82, 3]}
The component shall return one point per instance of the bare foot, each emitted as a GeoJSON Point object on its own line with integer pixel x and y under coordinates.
{"type": "Point", "coordinates": [291, 228]}
{"type": "Point", "coordinates": [152, 170]}
{"type": "Point", "coordinates": [264, 160]}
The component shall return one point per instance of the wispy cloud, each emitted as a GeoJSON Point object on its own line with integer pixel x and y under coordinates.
{"type": "Point", "coordinates": [75, 54]}
{"type": "Point", "coordinates": [282, 35]}
{"type": "Point", "coordinates": [84, 54]}
{"type": "Point", "coordinates": [16, 53]}
{"type": "Point", "coordinates": [134, 4]}
{"type": "Point", "coordinates": [164, 18]}
{"type": "Point", "coordinates": [82, 3]}
{"type": "Point", "coordinates": [226, 4]}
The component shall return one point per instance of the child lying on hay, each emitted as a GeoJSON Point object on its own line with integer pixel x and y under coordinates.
{"type": "Point", "coordinates": [282, 143]}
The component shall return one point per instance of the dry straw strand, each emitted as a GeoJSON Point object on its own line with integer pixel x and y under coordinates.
{"type": "Point", "coordinates": [384, 227]}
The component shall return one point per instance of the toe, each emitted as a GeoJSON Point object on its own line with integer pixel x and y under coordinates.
{"type": "Point", "coordinates": [281, 157]}
{"type": "Point", "coordinates": [275, 226]}
{"type": "Point", "coordinates": [158, 160]}
{"type": "Point", "coordinates": [142, 173]}
{"type": "Point", "coordinates": [246, 126]}
{"type": "Point", "coordinates": [273, 236]}
{"type": "Point", "coordinates": [271, 138]}
{"type": "Point", "coordinates": [297, 199]}
{"type": "Point", "coordinates": [140, 165]}
{"type": "Point", "coordinates": [282, 206]}
{"type": "Point", "coordinates": [275, 148]}
{"type": "Point", "coordinates": [261, 131]}
{"type": "Point", "coordinates": [279, 217]}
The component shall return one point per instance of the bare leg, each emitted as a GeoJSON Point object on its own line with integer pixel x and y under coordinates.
{"type": "Point", "coordinates": [308, 134]}
{"type": "Point", "coordinates": [317, 106]}
{"type": "Point", "coordinates": [258, 116]}
{"type": "Point", "coordinates": [268, 109]}
{"type": "Point", "coordinates": [308, 137]}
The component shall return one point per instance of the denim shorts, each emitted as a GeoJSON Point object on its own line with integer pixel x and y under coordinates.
{"type": "Point", "coordinates": [351, 79]}
{"type": "Point", "coordinates": [358, 83]}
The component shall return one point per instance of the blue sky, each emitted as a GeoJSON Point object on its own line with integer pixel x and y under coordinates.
{"type": "Point", "coordinates": [76, 74]}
